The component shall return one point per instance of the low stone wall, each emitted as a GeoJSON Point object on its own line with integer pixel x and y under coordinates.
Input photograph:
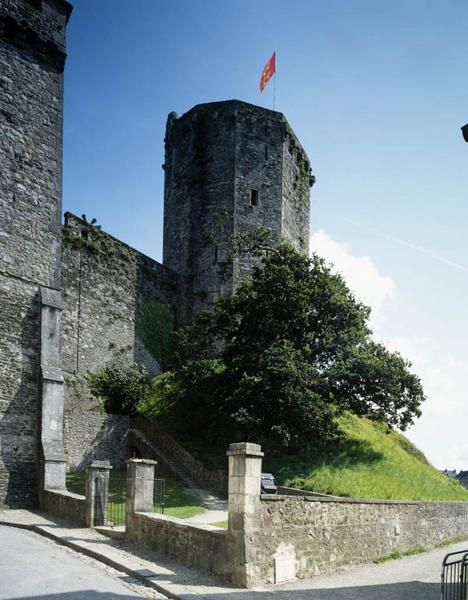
{"type": "Point", "coordinates": [65, 504]}
{"type": "Point", "coordinates": [200, 546]}
{"type": "Point", "coordinates": [195, 469]}
{"type": "Point", "coordinates": [95, 436]}
{"type": "Point", "coordinates": [323, 535]}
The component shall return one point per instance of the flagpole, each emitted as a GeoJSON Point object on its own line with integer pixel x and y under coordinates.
{"type": "Point", "coordinates": [274, 82]}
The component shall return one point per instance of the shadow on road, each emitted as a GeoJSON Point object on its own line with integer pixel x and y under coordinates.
{"type": "Point", "coordinates": [81, 595]}
{"type": "Point", "coordinates": [411, 590]}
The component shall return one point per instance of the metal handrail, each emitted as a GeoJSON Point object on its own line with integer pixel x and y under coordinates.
{"type": "Point", "coordinates": [454, 576]}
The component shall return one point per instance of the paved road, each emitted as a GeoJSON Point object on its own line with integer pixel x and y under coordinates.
{"type": "Point", "coordinates": [32, 567]}
{"type": "Point", "coordinates": [411, 578]}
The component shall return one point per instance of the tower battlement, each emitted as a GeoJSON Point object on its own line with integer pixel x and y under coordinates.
{"type": "Point", "coordinates": [37, 26]}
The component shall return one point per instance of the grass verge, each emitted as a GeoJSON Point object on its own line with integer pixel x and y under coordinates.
{"type": "Point", "coordinates": [178, 502]}
{"type": "Point", "coordinates": [399, 555]}
{"type": "Point", "coordinates": [222, 524]}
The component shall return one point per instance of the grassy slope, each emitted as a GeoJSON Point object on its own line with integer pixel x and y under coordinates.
{"type": "Point", "coordinates": [367, 463]}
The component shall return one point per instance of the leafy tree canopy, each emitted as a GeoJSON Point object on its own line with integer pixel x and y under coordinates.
{"type": "Point", "coordinates": [294, 348]}
{"type": "Point", "coordinates": [120, 385]}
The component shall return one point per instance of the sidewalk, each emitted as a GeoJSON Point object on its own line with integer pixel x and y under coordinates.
{"type": "Point", "coordinates": [216, 508]}
{"type": "Point", "coordinates": [163, 574]}
{"type": "Point", "coordinates": [412, 578]}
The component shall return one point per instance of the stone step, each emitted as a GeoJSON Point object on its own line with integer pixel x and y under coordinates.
{"type": "Point", "coordinates": [174, 467]}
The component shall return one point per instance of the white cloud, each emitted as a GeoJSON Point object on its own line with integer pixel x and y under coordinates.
{"type": "Point", "coordinates": [441, 431]}
{"type": "Point", "coordinates": [360, 272]}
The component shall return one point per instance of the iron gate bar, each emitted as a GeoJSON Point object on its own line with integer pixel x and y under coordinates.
{"type": "Point", "coordinates": [117, 499]}
{"type": "Point", "coordinates": [454, 576]}
{"type": "Point", "coordinates": [158, 495]}
{"type": "Point", "coordinates": [116, 505]}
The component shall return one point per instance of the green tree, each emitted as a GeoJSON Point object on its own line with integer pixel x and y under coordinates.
{"type": "Point", "coordinates": [296, 349]}
{"type": "Point", "coordinates": [120, 385]}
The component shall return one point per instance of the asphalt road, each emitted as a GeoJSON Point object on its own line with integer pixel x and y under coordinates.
{"type": "Point", "coordinates": [34, 567]}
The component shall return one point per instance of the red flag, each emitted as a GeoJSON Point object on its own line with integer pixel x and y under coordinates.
{"type": "Point", "coordinates": [268, 71]}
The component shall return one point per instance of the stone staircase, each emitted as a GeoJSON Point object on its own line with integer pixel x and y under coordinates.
{"type": "Point", "coordinates": [149, 449]}
{"type": "Point", "coordinates": [215, 505]}
{"type": "Point", "coordinates": [151, 441]}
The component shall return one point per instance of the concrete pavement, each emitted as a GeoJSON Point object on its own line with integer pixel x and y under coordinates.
{"type": "Point", "coordinates": [216, 508]}
{"type": "Point", "coordinates": [412, 578]}
{"type": "Point", "coordinates": [32, 567]}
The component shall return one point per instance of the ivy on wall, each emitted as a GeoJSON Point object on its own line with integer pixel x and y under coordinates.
{"type": "Point", "coordinates": [155, 328]}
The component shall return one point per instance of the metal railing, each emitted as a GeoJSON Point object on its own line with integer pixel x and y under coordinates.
{"type": "Point", "coordinates": [158, 495]}
{"type": "Point", "coordinates": [118, 497]}
{"type": "Point", "coordinates": [454, 577]}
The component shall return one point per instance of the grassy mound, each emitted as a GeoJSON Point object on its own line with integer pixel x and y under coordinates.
{"type": "Point", "coordinates": [367, 462]}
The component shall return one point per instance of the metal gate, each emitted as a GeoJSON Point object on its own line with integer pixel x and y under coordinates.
{"type": "Point", "coordinates": [158, 495]}
{"type": "Point", "coordinates": [118, 495]}
{"type": "Point", "coordinates": [454, 577]}
{"type": "Point", "coordinates": [117, 498]}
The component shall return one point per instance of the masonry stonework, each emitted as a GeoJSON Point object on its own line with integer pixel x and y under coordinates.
{"type": "Point", "coordinates": [32, 55]}
{"type": "Point", "coordinates": [230, 167]}
{"type": "Point", "coordinates": [272, 539]}
{"type": "Point", "coordinates": [328, 534]}
{"type": "Point", "coordinates": [105, 285]}
{"type": "Point", "coordinates": [94, 435]}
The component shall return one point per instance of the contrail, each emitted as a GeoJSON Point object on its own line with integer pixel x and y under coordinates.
{"type": "Point", "coordinates": [396, 240]}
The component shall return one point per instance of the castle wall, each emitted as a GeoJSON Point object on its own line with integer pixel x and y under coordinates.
{"type": "Point", "coordinates": [230, 167]}
{"type": "Point", "coordinates": [32, 45]}
{"type": "Point", "coordinates": [93, 435]}
{"type": "Point", "coordinates": [105, 284]}
{"type": "Point", "coordinates": [259, 167]}
{"type": "Point", "coordinates": [198, 202]}
{"type": "Point", "coordinates": [296, 184]}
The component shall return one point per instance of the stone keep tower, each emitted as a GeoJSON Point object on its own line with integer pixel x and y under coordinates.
{"type": "Point", "coordinates": [32, 57]}
{"type": "Point", "coordinates": [229, 167]}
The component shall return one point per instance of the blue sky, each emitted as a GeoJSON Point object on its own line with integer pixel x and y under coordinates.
{"type": "Point", "coordinates": [375, 91]}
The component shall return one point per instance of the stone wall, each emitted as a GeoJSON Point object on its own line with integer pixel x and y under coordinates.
{"type": "Point", "coordinates": [272, 539]}
{"type": "Point", "coordinates": [198, 193]}
{"type": "Point", "coordinates": [94, 435]}
{"type": "Point", "coordinates": [276, 538]}
{"type": "Point", "coordinates": [32, 55]}
{"type": "Point", "coordinates": [105, 285]}
{"type": "Point", "coordinates": [201, 546]}
{"type": "Point", "coordinates": [324, 535]}
{"type": "Point", "coordinates": [19, 373]}
{"type": "Point", "coordinates": [65, 504]}
{"type": "Point", "coordinates": [269, 159]}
